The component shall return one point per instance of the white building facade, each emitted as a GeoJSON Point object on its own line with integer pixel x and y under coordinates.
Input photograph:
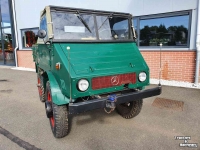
{"type": "Point", "coordinates": [173, 23]}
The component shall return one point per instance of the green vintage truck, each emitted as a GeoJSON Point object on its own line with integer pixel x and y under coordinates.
{"type": "Point", "coordinates": [86, 60]}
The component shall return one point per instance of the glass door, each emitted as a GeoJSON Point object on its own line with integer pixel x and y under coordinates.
{"type": "Point", "coordinates": [8, 48]}
{"type": "Point", "coordinates": [2, 61]}
{"type": "Point", "coordinates": [6, 36]}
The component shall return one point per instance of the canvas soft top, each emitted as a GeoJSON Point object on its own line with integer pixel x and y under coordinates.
{"type": "Point", "coordinates": [59, 8]}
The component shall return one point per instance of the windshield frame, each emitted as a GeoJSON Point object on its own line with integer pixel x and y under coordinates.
{"type": "Point", "coordinates": [94, 13]}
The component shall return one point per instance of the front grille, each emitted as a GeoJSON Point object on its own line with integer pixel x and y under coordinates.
{"type": "Point", "coordinates": [115, 80]}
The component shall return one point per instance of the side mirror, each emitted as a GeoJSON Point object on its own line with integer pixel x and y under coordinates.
{"type": "Point", "coordinates": [42, 34]}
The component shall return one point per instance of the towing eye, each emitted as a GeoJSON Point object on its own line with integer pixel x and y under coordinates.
{"type": "Point", "coordinates": [110, 103]}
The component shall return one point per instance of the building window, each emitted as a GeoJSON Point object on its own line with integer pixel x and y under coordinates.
{"type": "Point", "coordinates": [29, 37]}
{"type": "Point", "coordinates": [5, 13]}
{"type": "Point", "coordinates": [172, 30]}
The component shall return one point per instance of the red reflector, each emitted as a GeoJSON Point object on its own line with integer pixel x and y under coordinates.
{"type": "Point", "coordinates": [116, 80]}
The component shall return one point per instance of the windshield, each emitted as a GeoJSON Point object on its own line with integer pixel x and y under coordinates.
{"type": "Point", "coordinates": [110, 28]}
{"type": "Point", "coordinates": [73, 26]}
{"type": "Point", "coordinates": [77, 26]}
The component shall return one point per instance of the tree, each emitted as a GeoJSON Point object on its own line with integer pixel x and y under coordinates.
{"type": "Point", "coordinates": [144, 32]}
{"type": "Point", "coordinates": [162, 29]}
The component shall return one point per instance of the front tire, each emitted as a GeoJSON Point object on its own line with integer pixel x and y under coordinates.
{"type": "Point", "coordinates": [59, 120]}
{"type": "Point", "coordinates": [130, 110]}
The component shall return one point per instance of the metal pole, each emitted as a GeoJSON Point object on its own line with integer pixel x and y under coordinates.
{"type": "Point", "coordinates": [197, 66]}
{"type": "Point", "coordinates": [198, 47]}
{"type": "Point", "coordinates": [160, 65]}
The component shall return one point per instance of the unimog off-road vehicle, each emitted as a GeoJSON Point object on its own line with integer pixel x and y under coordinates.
{"type": "Point", "coordinates": [86, 60]}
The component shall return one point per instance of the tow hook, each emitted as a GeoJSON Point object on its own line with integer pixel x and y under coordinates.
{"type": "Point", "coordinates": [110, 103]}
{"type": "Point", "coordinates": [48, 108]}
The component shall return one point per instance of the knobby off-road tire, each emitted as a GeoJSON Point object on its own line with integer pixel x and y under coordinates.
{"type": "Point", "coordinates": [131, 109]}
{"type": "Point", "coordinates": [41, 88]}
{"type": "Point", "coordinates": [59, 121]}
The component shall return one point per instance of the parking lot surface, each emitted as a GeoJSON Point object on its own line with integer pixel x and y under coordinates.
{"type": "Point", "coordinates": [23, 121]}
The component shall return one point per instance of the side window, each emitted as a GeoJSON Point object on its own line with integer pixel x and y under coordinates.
{"type": "Point", "coordinates": [43, 24]}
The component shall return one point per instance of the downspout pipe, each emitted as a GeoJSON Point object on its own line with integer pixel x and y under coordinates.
{"type": "Point", "coordinates": [16, 35]}
{"type": "Point", "coordinates": [197, 47]}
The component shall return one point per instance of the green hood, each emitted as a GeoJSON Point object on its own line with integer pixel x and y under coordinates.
{"type": "Point", "coordinates": [104, 58]}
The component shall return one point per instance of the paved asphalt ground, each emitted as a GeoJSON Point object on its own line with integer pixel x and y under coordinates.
{"type": "Point", "coordinates": [23, 121]}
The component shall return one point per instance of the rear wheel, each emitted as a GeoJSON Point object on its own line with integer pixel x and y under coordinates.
{"type": "Point", "coordinates": [59, 119]}
{"type": "Point", "coordinates": [130, 109]}
{"type": "Point", "coordinates": [41, 88]}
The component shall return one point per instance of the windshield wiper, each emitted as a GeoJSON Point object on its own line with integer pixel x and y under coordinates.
{"type": "Point", "coordinates": [83, 21]}
{"type": "Point", "coordinates": [105, 21]}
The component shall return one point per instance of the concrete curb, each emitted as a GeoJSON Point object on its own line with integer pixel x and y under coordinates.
{"type": "Point", "coordinates": [6, 67]}
{"type": "Point", "coordinates": [23, 69]}
{"type": "Point", "coordinates": [175, 83]}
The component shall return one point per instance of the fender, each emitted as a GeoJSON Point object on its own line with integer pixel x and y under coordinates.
{"type": "Point", "coordinates": [57, 97]}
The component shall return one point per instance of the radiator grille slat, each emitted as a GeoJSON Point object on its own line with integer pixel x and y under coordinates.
{"type": "Point", "coordinates": [110, 81]}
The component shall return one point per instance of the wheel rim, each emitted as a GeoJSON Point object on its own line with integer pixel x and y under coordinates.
{"type": "Point", "coordinates": [39, 87]}
{"type": "Point", "coordinates": [52, 118]}
{"type": "Point", "coordinates": [126, 107]}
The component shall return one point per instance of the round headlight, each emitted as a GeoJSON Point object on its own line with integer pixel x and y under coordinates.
{"type": "Point", "coordinates": [142, 76]}
{"type": "Point", "coordinates": [83, 85]}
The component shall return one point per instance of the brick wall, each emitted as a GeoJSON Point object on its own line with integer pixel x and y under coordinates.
{"type": "Point", "coordinates": [25, 59]}
{"type": "Point", "coordinates": [179, 66]}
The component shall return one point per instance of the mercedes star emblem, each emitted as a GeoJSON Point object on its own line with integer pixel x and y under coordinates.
{"type": "Point", "coordinates": [114, 80]}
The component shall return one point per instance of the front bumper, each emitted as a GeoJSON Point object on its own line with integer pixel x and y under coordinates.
{"type": "Point", "coordinates": [76, 108]}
